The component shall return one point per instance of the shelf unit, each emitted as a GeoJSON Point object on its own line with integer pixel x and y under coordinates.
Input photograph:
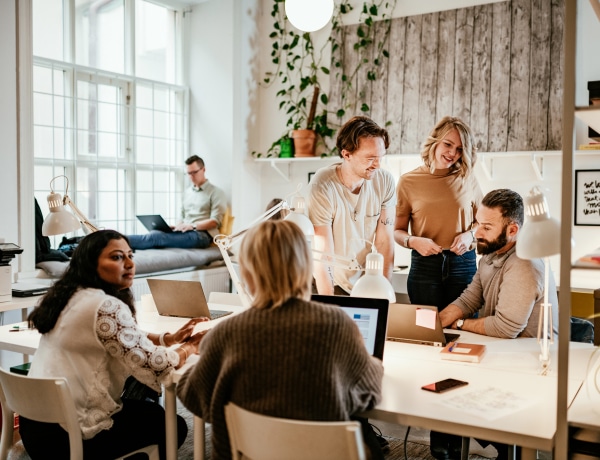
{"type": "Point", "coordinates": [283, 166]}
{"type": "Point", "coordinates": [561, 446]}
{"type": "Point", "coordinates": [590, 116]}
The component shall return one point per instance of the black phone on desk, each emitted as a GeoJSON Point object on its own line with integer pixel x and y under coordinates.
{"type": "Point", "coordinates": [444, 385]}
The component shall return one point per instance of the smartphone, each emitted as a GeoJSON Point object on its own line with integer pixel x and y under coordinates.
{"type": "Point", "coordinates": [444, 385]}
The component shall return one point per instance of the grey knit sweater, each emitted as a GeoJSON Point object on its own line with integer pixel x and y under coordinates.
{"type": "Point", "coordinates": [303, 360]}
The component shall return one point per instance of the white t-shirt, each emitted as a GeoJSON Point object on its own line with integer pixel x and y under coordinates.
{"type": "Point", "coordinates": [353, 217]}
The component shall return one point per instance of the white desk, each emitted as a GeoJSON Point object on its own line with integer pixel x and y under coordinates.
{"type": "Point", "coordinates": [508, 366]}
{"type": "Point", "coordinates": [511, 365]}
{"type": "Point", "coordinates": [27, 342]}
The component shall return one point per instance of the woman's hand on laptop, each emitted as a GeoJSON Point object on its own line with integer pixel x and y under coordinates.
{"type": "Point", "coordinates": [185, 332]}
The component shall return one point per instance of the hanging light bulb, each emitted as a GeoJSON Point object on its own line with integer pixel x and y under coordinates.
{"type": "Point", "coordinates": [309, 15]}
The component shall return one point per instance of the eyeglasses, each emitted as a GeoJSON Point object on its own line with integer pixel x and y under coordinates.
{"type": "Point", "coordinates": [191, 173]}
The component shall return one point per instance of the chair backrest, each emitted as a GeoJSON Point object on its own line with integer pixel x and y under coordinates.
{"type": "Point", "coordinates": [45, 400]}
{"type": "Point", "coordinates": [582, 330]}
{"type": "Point", "coordinates": [227, 223]}
{"type": "Point", "coordinates": [270, 438]}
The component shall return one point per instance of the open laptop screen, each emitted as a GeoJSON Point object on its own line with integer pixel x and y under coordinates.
{"type": "Point", "coordinates": [370, 315]}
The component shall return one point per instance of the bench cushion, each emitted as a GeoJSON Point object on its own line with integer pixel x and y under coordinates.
{"type": "Point", "coordinates": [153, 261]}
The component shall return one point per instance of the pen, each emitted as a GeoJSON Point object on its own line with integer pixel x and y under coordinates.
{"type": "Point", "coordinates": [19, 328]}
{"type": "Point", "coordinates": [452, 345]}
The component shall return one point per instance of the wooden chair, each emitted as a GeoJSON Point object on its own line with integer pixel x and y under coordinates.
{"type": "Point", "coordinates": [227, 223]}
{"type": "Point", "coordinates": [44, 400]}
{"type": "Point", "coordinates": [260, 437]}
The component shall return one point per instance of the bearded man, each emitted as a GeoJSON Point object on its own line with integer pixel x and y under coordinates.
{"type": "Point", "coordinates": [507, 291]}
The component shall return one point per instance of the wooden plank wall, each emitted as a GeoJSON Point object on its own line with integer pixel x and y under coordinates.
{"type": "Point", "coordinates": [498, 66]}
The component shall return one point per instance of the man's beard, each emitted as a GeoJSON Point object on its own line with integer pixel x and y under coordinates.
{"type": "Point", "coordinates": [487, 247]}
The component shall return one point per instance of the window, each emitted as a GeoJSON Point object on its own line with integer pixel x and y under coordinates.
{"type": "Point", "coordinates": [117, 128]}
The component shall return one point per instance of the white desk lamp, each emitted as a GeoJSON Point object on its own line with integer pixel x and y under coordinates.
{"type": "Point", "coordinates": [540, 238]}
{"type": "Point", "coordinates": [225, 242]}
{"type": "Point", "coordinates": [373, 284]}
{"type": "Point", "coordinates": [59, 220]}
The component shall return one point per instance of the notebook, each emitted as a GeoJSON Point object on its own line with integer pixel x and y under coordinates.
{"type": "Point", "coordinates": [154, 222]}
{"type": "Point", "coordinates": [370, 315]}
{"type": "Point", "coordinates": [402, 326]}
{"type": "Point", "coordinates": [181, 298]}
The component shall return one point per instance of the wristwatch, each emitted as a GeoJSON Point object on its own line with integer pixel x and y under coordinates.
{"type": "Point", "coordinates": [406, 240]}
{"type": "Point", "coordinates": [194, 226]}
{"type": "Point", "coordinates": [459, 324]}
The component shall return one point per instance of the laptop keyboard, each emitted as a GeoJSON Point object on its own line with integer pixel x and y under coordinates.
{"type": "Point", "coordinates": [215, 314]}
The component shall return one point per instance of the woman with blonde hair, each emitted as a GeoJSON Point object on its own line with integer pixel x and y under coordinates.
{"type": "Point", "coordinates": [438, 201]}
{"type": "Point", "coordinates": [258, 359]}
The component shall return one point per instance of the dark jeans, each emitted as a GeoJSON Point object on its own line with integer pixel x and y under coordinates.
{"type": "Point", "coordinates": [138, 424]}
{"type": "Point", "coordinates": [439, 279]}
{"type": "Point", "coordinates": [157, 239]}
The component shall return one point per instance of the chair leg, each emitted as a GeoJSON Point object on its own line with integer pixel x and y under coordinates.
{"type": "Point", "coordinates": [464, 451]}
{"type": "Point", "coordinates": [8, 424]}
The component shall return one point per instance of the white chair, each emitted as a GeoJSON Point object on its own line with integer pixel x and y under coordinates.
{"type": "Point", "coordinates": [44, 400]}
{"type": "Point", "coordinates": [260, 437]}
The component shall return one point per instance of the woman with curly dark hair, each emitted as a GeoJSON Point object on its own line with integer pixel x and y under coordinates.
{"type": "Point", "coordinates": [90, 337]}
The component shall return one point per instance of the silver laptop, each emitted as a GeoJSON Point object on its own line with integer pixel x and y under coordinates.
{"type": "Point", "coordinates": [402, 326]}
{"type": "Point", "coordinates": [154, 222]}
{"type": "Point", "coordinates": [181, 298]}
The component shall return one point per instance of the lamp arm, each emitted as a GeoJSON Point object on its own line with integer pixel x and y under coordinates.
{"type": "Point", "coordinates": [334, 260]}
{"type": "Point", "coordinates": [223, 242]}
{"type": "Point", "coordinates": [80, 216]}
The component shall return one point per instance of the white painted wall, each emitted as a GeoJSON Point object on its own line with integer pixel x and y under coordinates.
{"type": "Point", "coordinates": [8, 123]}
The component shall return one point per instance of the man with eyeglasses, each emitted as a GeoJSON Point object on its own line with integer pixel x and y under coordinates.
{"type": "Point", "coordinates": [201, 214]}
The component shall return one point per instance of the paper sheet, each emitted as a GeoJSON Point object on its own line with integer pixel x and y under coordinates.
{"type": "Point", "coordinates": [489, 403]}
{"type": "Point", "coordinates": [426, 317]}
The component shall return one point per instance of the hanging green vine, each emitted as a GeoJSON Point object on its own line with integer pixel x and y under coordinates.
{"type": "Point", "coordinates": [299, 69]}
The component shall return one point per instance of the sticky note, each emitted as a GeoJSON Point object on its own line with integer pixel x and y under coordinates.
{"type": "Point", "coordinates": [426, 318]}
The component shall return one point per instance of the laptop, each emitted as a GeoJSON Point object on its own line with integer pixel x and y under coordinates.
{"type": "Point", "coordinates": [154, 222]}
{"type": "Point", "coordinates": [370, 315]}
{"type": "Point", "coordinates": [28, 290]}
{"type": "Point", "coordinates": [403, 327]}
{"type": "Point", "coordinates": [181, 298]}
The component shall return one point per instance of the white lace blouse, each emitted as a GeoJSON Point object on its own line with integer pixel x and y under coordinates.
{"type": "Point", "coordinates": [96, 344]}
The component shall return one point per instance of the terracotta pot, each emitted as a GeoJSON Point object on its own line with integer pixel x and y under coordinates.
{"type": "Point", "coordinates": [305, 142]}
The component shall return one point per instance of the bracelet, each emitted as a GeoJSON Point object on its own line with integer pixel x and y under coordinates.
{"type": "Point", "coordinates": [161, 339]}
{"type": "Point", "coordinates": [184, 351]}
{"type": "Point", "coordinates": [406, 241]}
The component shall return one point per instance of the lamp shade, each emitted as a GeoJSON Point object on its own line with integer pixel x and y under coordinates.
{"type": "Point", "coordinates": [59, 220]}
{"type": "Point", "coordinates": [373, 284]}
{"type": "Point", "coordinates": [540, 235]}
{"type": "Point", "coordinates": [298, 216]}
{"type": "Point", "coordinates": [309, 15]}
